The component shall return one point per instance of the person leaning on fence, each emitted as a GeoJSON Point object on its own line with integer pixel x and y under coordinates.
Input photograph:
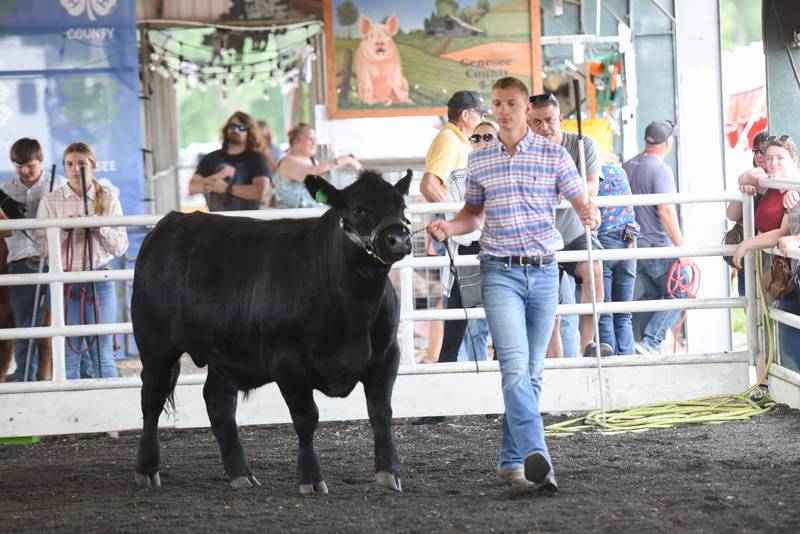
{"type": "Point", "coordinates": [27, 187]}
{"type": "Point", "coordinates": [464, 340]}
{"type": "Point", "coordinates": [758, 171]}
{"type": "Point", "coordinates": [774, 223]}
{"type": "Point", "coordinates": [235, 177]}
{"type": "Point", "coordinates": [86, 303]}
{"type": "Point", "coordinates": [648, 174]}
{"type": "Point", "coordinates": [618, 230]}
{"type": "Point", "coordinates": [545, 119]}
{"type": "Point", "coordinates": [513, 187]}
{"type": "Point", "coordinates": [290, 190]}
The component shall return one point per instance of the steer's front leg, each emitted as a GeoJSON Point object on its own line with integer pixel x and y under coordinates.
{"type": "Point", "coordinates": [378, 386]}
{"type": "Point", "coordinates": [298, 394]}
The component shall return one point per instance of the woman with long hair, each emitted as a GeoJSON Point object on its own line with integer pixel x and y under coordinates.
{"type": "Point", "coordinates": [299, 162]}
{"type": "Point", "coordinates": [86, 303]}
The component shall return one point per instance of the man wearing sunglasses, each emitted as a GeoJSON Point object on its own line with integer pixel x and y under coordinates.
{"type": "Point", "coordinates": [545, 119]}
{"type": "Point", "coordinates": [236, 177]}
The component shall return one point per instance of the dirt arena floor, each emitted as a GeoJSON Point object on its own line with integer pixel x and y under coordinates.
{"type": "Point", "coordinates": [736, 477]}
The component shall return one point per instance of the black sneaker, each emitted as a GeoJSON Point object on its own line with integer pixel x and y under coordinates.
{"type": "Point", "coordinates": [605, 350]}
{"type": "Point", "coordinates": [539, 471]}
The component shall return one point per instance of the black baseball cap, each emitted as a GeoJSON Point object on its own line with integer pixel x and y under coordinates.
{"type": "Point", "coordinates": [658, 132]}
{"type": "Point", "coordinates": [462, 100]}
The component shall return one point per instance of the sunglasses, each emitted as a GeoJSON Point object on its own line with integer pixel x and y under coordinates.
{"type": "Point", "coordinates": [781, 139]}
{"type": "Point", "coordinates": [240, 127]}
{"type": "Point", "coordinates": [544, 97]}
{"type": "Point", "coordinates": [476, 138]}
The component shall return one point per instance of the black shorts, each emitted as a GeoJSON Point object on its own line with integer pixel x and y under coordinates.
{"type": "Point", "coordinates": [579, 243]}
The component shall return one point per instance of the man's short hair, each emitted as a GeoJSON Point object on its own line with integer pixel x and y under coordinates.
{"type": "Point", "coordinates": [510, 82]}
{"type": "Point", "coordinates": [25, 150]}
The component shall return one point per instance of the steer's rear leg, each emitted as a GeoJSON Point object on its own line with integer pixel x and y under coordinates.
{"type": "Point", "coordinates": [221, 397]}
{"type": "Point", "coordinates": [378, 385]}
{"type": "Point", "coordinates": [299, 398]}
{"type": "Point", "coordinates": [160, 371]}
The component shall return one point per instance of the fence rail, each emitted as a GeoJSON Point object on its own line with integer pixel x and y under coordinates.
{"type": "Point", "coordinates": [56, 278]}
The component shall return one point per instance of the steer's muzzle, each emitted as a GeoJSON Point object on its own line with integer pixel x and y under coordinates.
{"type": "Point", "coordinates": [392, 241]}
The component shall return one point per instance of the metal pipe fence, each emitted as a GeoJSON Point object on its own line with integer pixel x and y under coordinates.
{"type": "Point", "coordinates": [56, 278]}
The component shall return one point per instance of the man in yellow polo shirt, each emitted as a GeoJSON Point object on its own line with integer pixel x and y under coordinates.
{"type": "Point", "coordinates": [448, 151]}
{"type": "Point", "coordinates": [450, 147]}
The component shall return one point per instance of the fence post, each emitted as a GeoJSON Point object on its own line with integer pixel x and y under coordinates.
{"type": "Point", "coordinates": [56, 302]}
{"type": "Point", "coordinates": [407, 327]}
{"type": "Point", "coordinates": [753, 339]}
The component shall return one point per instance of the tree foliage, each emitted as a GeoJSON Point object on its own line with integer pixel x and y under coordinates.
{"type": "Point", "coordinates": [347, 15]}
{"type": "Point", "coordinates": [741, 22]}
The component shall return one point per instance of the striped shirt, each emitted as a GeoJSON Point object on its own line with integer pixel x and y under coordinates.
{"type": "Point", "coordinates": [520, 194]}
{"type": "Point", "coordinates": [108, 242]}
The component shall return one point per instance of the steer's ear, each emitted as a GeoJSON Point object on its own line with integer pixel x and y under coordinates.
{"type": "Point", "coordinates": [322, 191]}
{"type": "Point", "coordinates": [404, 183]}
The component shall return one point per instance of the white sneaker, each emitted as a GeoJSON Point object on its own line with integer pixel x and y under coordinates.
{"type": "Point", "coordinates": [641, 348]}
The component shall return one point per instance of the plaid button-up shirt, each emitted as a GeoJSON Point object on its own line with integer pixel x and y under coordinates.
{"type": "Point", "coordinates": [107, 242]}
{"type": "Point", "coordinates": [520, 194]}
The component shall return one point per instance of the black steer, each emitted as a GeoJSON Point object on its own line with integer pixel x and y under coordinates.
{"type": "Point", "coordinates": [305, 303]}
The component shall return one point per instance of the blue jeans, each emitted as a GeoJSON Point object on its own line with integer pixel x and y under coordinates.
{"type": "Point", "coordinates": [520, 303]}
{"type": "Point", "coordinates": [474, 344]}
{"type": "Point", "coordinates": [22, 306]}
{"type": "Point", "coordinates": [80, 362]}
{"type": "Point", "coordinates": [654, 275]}
{"type": "Point", "coordinates": [568, 328]}
{"type": "Point", "coordinates": [788, 336]}
{"type": "Point", "coordinates": [619, 279]}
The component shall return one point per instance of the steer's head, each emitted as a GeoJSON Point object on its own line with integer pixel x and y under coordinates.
{"type": "Point", "coordinates": [371, 211]}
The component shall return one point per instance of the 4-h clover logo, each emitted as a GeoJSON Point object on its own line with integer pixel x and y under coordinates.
{"type": "Point", "coordinates": [100, 7]}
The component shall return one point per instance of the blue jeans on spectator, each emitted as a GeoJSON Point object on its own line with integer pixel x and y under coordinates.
{"type": "Point", "coordinates": [520, 303]}
{"type": "Point", "coordinates": [474, 344]}
{"type": "Point", "coordinates": [568, 328]}
{"type": "Point", "coordinates": [22, 307]}
{"type": "Point", "coordinates": [654, 275]}
{"type": "Point", "coordinates": [80, 362]}
{"type": "Point", "coordinates": [789, 337]}
{"type": "Point", "coordinates": [619, 279]}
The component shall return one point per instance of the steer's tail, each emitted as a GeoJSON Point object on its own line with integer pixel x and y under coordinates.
{"type": "Point", "coordinates": [169, 407]}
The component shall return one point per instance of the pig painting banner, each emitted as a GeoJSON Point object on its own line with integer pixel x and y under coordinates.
{"type": "Point", "coordinates": [394, 57]}
{"type": "Point", "coordinates": [69, 72]}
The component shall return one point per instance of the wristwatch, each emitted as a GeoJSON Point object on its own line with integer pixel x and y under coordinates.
{"type": "Point", "coordinates": [229, 189]}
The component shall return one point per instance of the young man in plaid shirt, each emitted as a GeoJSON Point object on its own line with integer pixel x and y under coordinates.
{"type": "Point", "coordinates": [513, 187]}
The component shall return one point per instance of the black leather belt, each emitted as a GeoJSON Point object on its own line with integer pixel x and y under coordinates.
{"type": "Point", "coordinates": [537, 260]}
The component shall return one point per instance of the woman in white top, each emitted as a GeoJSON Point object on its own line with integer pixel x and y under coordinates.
{"type": "Point", "coordinates": [86, 357]}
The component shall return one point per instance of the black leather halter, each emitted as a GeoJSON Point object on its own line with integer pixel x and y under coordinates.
{"type": "Point", "coordinates": [367, 242]}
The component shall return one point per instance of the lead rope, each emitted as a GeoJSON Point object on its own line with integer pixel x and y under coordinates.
{"type": "Point", "coordinates": [69, 257]}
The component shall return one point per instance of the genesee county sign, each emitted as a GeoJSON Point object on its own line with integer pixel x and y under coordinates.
{"type": "Point", "coordinates": [391, 58]}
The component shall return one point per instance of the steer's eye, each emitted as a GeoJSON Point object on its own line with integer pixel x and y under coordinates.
{"type": "Point", "coordinates": [358, 211]}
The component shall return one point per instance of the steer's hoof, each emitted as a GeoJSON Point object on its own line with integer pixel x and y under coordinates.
{"type": "Point", "coordinates": [147, 481]}
{"type": "Point", "coordinates": [245, 482]}
{"type": "Point", "coordinates": [388, 480]}
{"type": "Point", "coordinates": [319, 488]}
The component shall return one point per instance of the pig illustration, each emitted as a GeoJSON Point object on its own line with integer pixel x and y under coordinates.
{"type": "Point", "coordinates": [380, 77]}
